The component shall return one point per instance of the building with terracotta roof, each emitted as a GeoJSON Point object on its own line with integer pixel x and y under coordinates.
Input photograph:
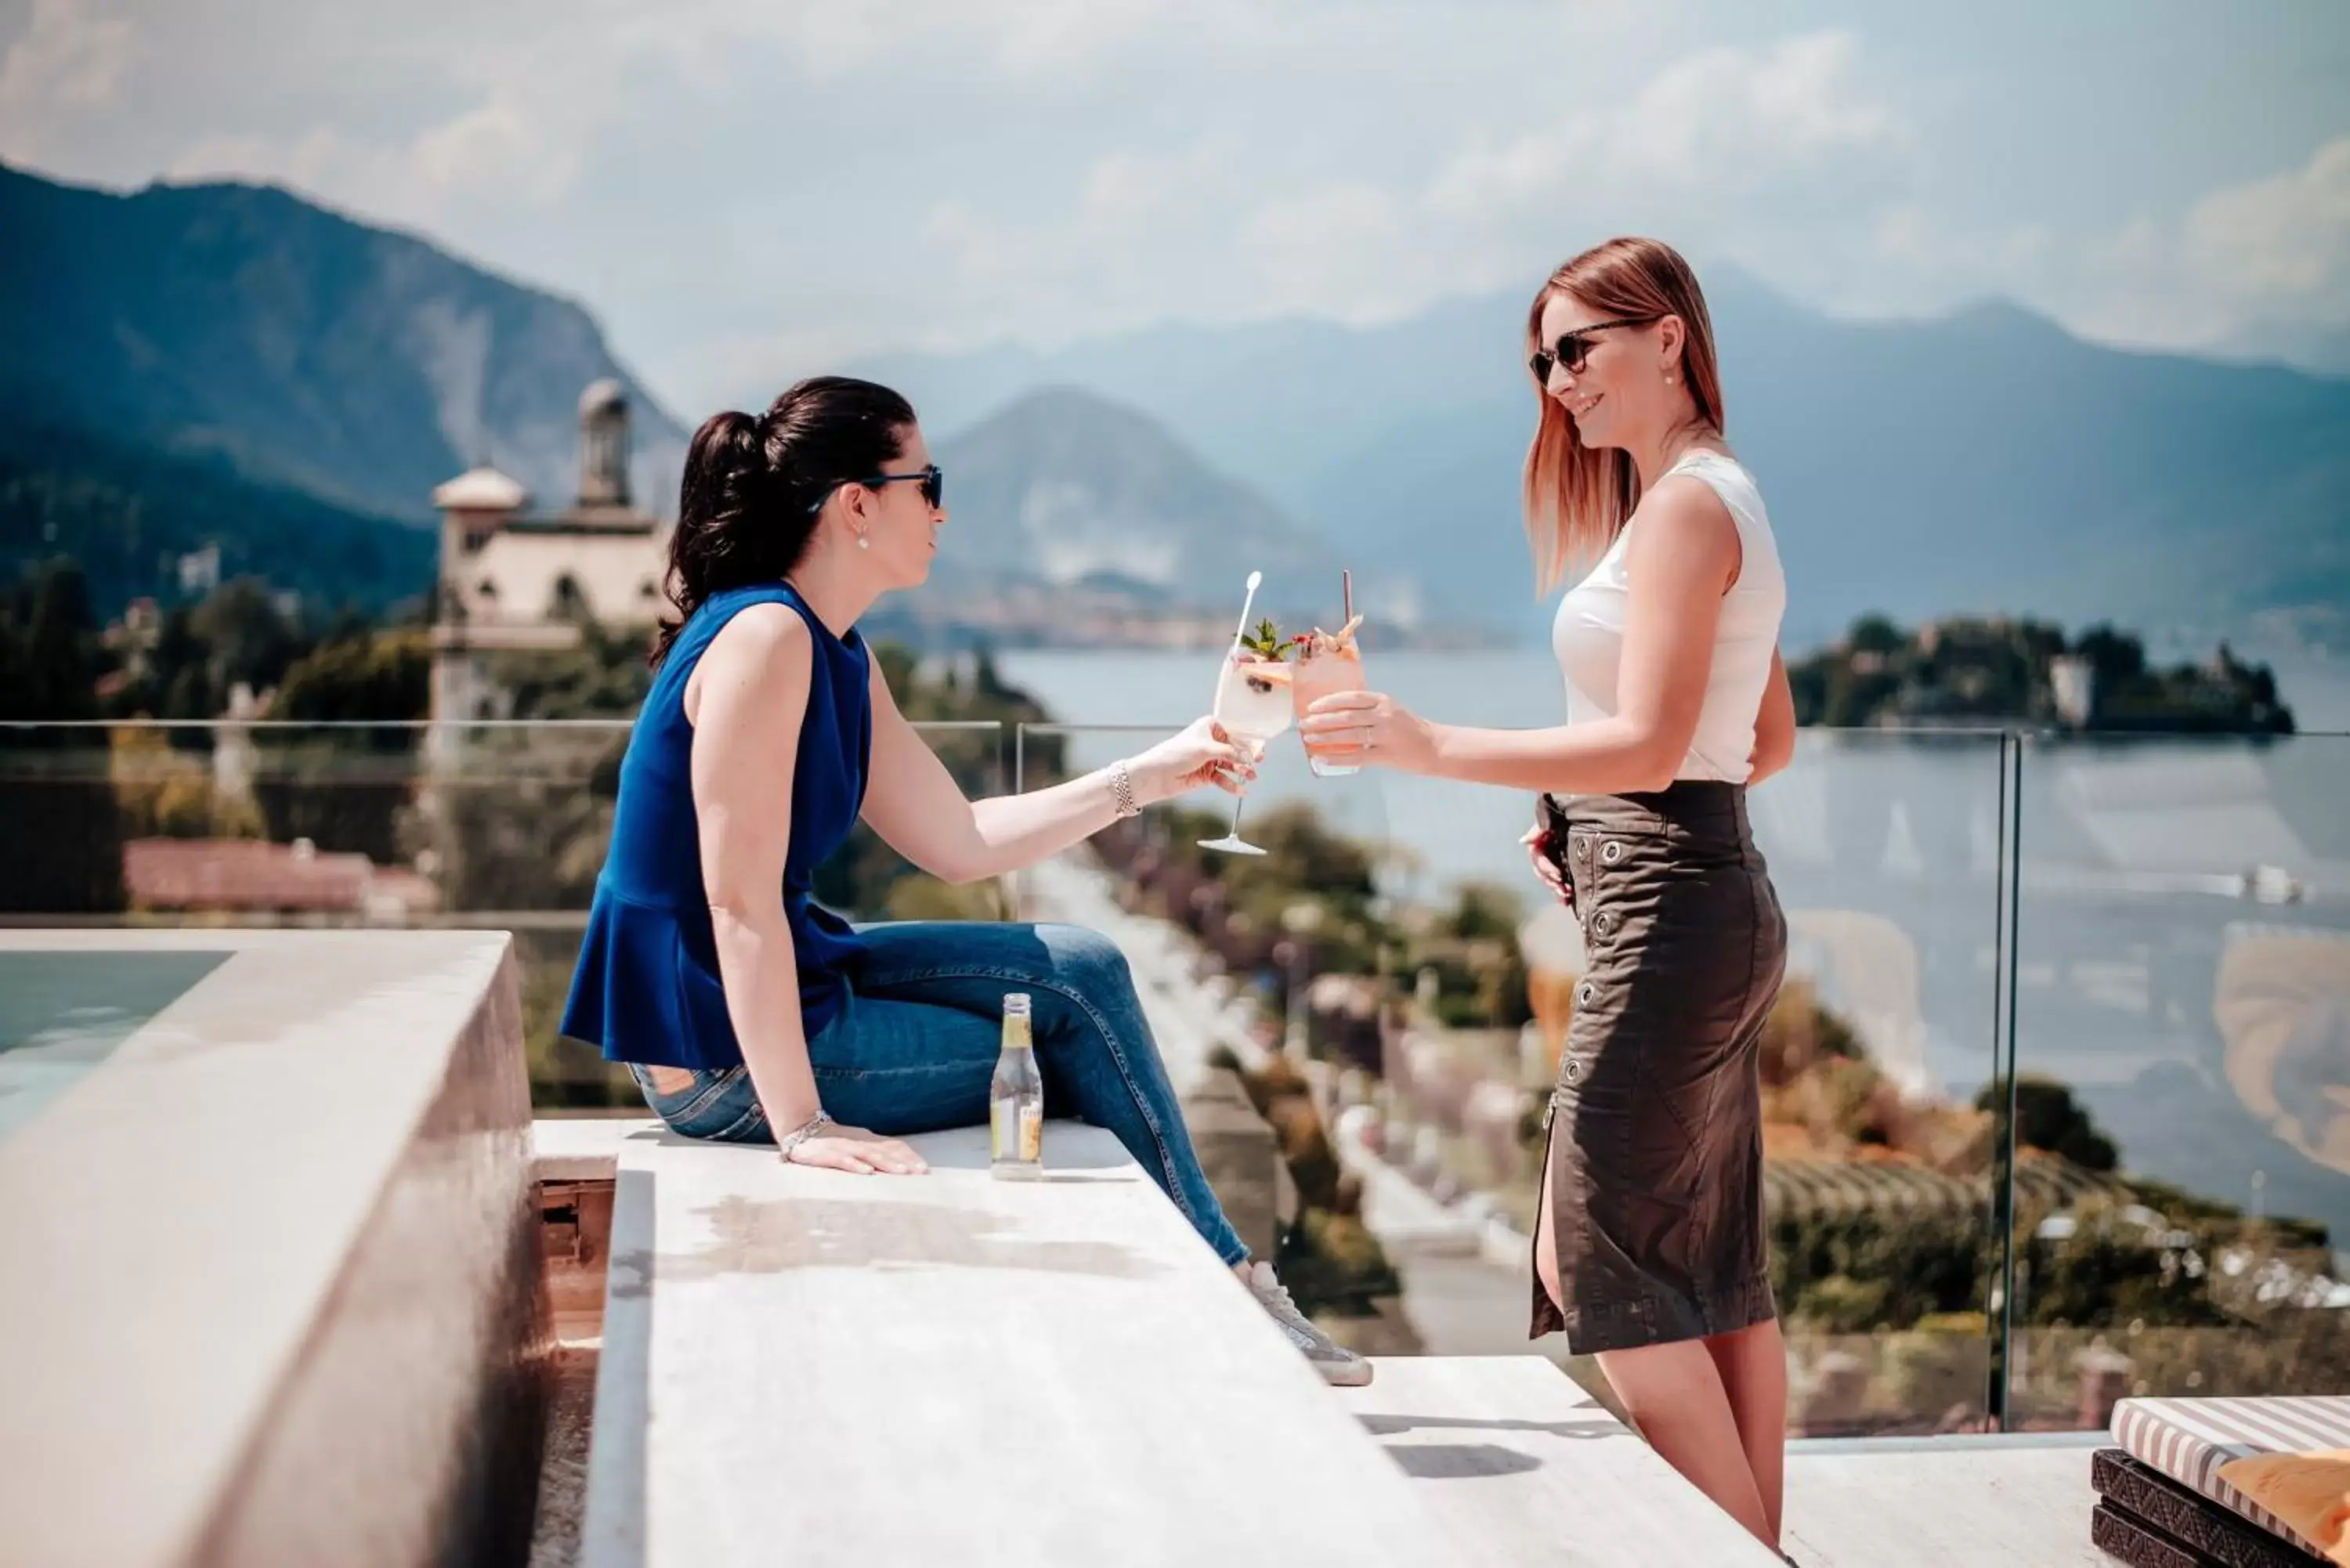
{"type": "Point", "coordinates": [252, 878]}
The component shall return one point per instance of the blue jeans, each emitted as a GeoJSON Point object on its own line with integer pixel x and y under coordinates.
{"type": "Point", "coordinates": [913, 1047]}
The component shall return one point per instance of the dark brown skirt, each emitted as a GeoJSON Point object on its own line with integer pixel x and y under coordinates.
{"type": "Point", "coordinates": [1655, 1151]}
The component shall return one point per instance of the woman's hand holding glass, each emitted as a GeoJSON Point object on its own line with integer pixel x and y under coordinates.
{"type": "Point", "coordinates": [1201, 754]}
{"type": "Point", "coordinates": [1380, 730]}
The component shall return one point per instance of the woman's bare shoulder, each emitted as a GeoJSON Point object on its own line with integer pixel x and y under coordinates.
{"type": "Point", "coordinates": [1684, 510]}
{"type": "Point", "coordinates": [766, 634]}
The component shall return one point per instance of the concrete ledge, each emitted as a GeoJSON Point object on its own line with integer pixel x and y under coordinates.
{"type": "Point", "coordinates": [583, 1148]}
{"type": "Point", "coordinates": [1523, 1467]}
{"type": "Point", "coordinates": [271, 1278]}
{"type": "Point", "coordinates": [951, 1369]}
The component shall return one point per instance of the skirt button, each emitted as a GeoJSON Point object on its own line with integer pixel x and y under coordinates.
{"type": "Point", "coordinates": [1611, 853]}
{"type": "Point", "coordinates": [1574, 1068]}
{"type": "Point", "coordinates": [1585, 992]}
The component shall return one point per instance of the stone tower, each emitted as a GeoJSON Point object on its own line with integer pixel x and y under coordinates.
{"type": "Point", "coordinates": [604, 444]}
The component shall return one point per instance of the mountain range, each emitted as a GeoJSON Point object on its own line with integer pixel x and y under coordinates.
{"type": "Point", "coordinates": [1987, 460]}
{"type": "Point", "coordinates": [1065, 487]}
{"type": "Point", "coordinates": [235, 365]}
{"type": "Point", "coordinates": [361, 364]}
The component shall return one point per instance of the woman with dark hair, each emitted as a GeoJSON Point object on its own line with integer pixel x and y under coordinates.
{"type": "Point", "coordinates": [749, 1017]}
{"type": "Point", "coordinates": [1650, 1248]}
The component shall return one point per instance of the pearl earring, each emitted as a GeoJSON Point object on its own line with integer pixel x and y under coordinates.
{"type": "Point", "coordinates": [863, 542]}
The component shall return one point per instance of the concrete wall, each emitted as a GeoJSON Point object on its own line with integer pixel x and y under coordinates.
{"type": "Point", "coordinates": [278, 1255]}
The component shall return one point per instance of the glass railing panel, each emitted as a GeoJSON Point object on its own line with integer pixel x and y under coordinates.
{"type": "Point", "coordinates": [1393, 959]}
{"type": "Point", "coordinates": [477, 825]}
{"type": "Point", "coordinates": [2183, 1062]}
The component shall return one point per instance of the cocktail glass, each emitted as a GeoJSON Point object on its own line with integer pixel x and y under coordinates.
{"type": "Point", "coordinates": [1327, 664]}
{"type": "Point", "coordinates": [1253, 705]}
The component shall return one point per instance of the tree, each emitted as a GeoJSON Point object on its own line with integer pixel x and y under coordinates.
{"type": "Point", "coordinates": [2115, 658]}
{"type": "Point", "coordinates": [1875, 634]}
{"type": "Point", "coordinates": [605, 677]}
{"type": "Point", "coordinates": [60, 838]}
{"type": "Point", "coordinates": [1976, 667]}
{"type": "Point", "coordinates": [60, 674]}
{"type": "Point", "coordinates": [359, 677]}
{"type": "Point", "coordinates": [344, 789]}
{"type": "Point", "coordinates": [2048, 1117]}
{"type": "Point", "coordinates": [253, 642]}
{"type": "Point", "coordinates": [519, 826]}
{"type": "Point", "coordinates": [237, 634]}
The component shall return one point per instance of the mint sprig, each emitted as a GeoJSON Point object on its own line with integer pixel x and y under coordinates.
{"type": "Point", "coordinates": [1265, 641]}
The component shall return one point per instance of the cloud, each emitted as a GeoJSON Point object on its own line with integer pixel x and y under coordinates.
{"type": "Point", "coordinates": [1357, 253]}
{"type": "Point", "coordinates": [515, 120]}
{"type": "Point", "coordinates": [2254, 267]}
{"type": "Point", "coordinates": [69, 62]}
{"type": "Point", "coordinates": [1723, 139]}
{"type": "Point", "coordinates": [1132, 222]}
{"type": "Point", "coordinates": [1785, 157]}
{"type": "Point", "coordinates": [1336, 251]}
{"type": "Point", "coordinates": [756, 367]}
{"type": "Point", "coordinates": [1048, 36]}
{"type": "Point", "coordinates": [505, 149]}
{"type": "Point", "coordinates": [1740, 127]}
{"type": "Point", "coordinates": [2279, 246]}
{"type": "Point", "coordinates": [1022, 39]}
{"type": "Point", "coordinates": [736, 185]}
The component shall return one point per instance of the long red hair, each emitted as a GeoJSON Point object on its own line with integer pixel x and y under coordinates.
{"type": "Point", "coordinates": [1577, 498]}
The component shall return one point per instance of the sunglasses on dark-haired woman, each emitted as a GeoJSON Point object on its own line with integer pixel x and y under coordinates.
{"type": "Point", "coordinates": [933, 481]}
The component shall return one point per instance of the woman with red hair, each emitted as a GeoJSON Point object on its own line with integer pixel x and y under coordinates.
{"type": "Point", "coordinates": [1650, 1248]}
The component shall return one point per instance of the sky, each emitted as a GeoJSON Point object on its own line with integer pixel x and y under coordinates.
{"type": "Point", "coordinates": [745, 190]}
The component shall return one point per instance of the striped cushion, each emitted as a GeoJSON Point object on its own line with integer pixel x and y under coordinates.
{"type": "Point", "coordinates": [2189, 1439]}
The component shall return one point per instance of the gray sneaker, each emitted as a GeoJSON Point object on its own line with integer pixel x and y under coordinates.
{"type": "Point", "coordinates": [1337, 1364]}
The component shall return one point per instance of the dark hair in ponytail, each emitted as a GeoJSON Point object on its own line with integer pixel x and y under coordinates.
{"type": "Point", "coordinates": [754, 487]}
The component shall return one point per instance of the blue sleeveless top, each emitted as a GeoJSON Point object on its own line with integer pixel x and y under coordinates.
{"type": "Point", "coordinates": [647, 988]}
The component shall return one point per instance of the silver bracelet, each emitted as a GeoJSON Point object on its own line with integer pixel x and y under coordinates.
{"type": "Point", "coordinates": [1121, 791]}
{"type": "Point", "coordinates": [802, 1133]}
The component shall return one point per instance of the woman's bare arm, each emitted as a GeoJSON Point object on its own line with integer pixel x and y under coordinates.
{"type": "Point", "coordinates": [1681, 557]}
{"type": "Point", "coordinates": [745, 702]}
{"type": "Point", "coordinates": [915, 805]}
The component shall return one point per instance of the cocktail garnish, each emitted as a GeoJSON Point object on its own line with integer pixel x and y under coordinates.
{"type": "Point", "coordinates": [1334, 642]}
{"type": "Point", "coordinates": [1265, 642]}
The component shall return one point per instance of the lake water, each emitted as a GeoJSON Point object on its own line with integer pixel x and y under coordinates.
{"type": "Point", "coordinates": [1452, 832]}
{"type": "Point", "coordinates": [2198, 1019]}
{"type": "Point", "coordinates": [1512, 686]}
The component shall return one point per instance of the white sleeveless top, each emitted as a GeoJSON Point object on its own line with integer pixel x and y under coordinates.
{"type": "Point", "coordinates": [1588, 636]}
